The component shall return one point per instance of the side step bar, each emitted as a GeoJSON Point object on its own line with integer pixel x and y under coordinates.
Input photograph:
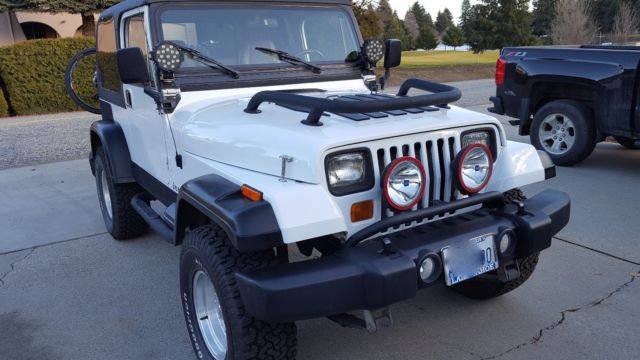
{"type": "Point", "coordinates": [141, 203]}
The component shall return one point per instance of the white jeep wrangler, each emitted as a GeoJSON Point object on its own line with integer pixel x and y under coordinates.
{"type": "Point", "coordinates": [252, 133]}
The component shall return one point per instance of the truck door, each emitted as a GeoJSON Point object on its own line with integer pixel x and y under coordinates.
{"type": "Point", "coordinates": [146, 127]}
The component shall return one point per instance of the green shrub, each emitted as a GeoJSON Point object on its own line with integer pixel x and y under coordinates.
{"type": "Point", "coordinates": [4, 107]}
{"type": "Point", "coordinates": [33, 74]}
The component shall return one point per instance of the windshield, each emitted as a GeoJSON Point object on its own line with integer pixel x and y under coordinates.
{"type": "Point", "coordinates": [230, 34]}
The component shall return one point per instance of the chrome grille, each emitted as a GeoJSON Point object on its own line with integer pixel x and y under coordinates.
{"type": "Point", "coordinates": [436, 155]}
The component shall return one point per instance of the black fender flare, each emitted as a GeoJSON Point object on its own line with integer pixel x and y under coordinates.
{"type": "Point", "coordinates": [110, 136]}
{"type": "Point", "coordinates": [250, 225]}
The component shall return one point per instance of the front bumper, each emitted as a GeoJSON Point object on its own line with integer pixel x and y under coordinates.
{"type": "Point", "coordinates": [362, 276]}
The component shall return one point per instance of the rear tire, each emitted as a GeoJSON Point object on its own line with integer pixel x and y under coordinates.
{"type": "Point", "coordinates": [121, 220]}
{"type": "Point", "coordinates": [206, 251]}
{"type": "Point", "coordinates": [565, 130]}
{"type": "Point", "coordinates": [628, 143]}
{"type": "Point", "coordinates": [481, 288]}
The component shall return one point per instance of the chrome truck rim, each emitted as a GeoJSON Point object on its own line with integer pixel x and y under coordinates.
{"type": "Point", "coordinates": [557, 134]}
{"type": "Point", "coordinates": [209, 314]}
{"type": "Point", "coordinates": [106, 196]}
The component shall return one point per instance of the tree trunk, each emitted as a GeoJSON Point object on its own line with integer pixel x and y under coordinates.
{"type": "Point", "coordinates": [88, 25]}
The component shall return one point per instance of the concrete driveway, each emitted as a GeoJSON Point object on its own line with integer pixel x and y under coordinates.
{"type": "Point", "coordinates": [69, 291]}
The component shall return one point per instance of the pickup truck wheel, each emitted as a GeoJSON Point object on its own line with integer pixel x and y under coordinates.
{"type": "Point", "coordinates": [218, 324]}
{"type": "Point", "coordinates": [565, 130]}
{"type": "Point", "coordinates": [121, 220]}
{"type": "Point", "coordinates": [486, 288]}
{"type": "Point", "coordinates": [628, 143]}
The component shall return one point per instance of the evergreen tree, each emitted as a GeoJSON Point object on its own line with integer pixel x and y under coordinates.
{"type": "Point", "coordinates": [453, 37]}
{"type": "Point", "coordinates": [465, 17]}
{"type": "Point", "coordinates": [426, 39]}
{"type": "Point", "coordinates": [367, 17]}
{"type": "Point", "coordinates": [385, 13]}
{"type": "Point", "coordinates": [444, 19]}
{"type": "Point", "coordinates": [396, 30]}
{"type": "Point", "coordinates": [499, 23]}
{"type": "Point", "coordinates": [543, 15]}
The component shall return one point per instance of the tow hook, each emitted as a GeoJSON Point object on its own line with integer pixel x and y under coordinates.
{"type": "Point", "coordinates": [508, 272]}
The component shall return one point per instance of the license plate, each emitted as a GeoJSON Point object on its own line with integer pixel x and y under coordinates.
{"type": "Point", "coordinates": [469, 259]}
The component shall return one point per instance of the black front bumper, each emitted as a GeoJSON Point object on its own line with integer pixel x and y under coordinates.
{"type": "Point", "coordinates": [362, 276]}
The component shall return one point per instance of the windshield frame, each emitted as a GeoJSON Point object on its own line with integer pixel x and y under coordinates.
{"type": "Point", "coordinates": [262, 70]}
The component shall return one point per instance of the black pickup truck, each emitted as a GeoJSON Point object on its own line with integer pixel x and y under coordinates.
{"type": "Point", "coordinates": [568, 99]}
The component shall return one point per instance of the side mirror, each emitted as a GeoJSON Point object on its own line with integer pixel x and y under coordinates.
{"type": "Point", "coordinates": [392, 53]}
{"type": "Point", "coordinates": [132, 66]}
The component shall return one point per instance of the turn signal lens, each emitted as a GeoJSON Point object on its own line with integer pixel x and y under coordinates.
{"type": "Point", "coordinates": [251, 193]}
{"type": "Point", "coordinates": [362, 211]}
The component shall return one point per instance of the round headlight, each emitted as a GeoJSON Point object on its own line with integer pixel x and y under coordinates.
{"type": "Point", "coordinates": [474, 166]}
{"type": "Point", "coordinates": [403, 183]}
{"type": "Point", "coordinates": [168, 56]}
{"type": "Point", "coordinates": [373, 50]}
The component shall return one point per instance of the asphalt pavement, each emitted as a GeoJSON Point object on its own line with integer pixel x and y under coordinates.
{"type": "Point", "coordinates": [69, 291]}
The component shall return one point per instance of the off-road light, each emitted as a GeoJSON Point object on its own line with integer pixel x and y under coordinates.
{"type": "Point", "coordinates": [506, 243]}
{"type": "Point", "coordinates": [429, 268]}
{"type": "Point", "coordinates": [473, 166]}
{"type": "Point", "coordinates": [373, 50]}
{"type": "Point", "coordinates": [168, 56]}
{"type": "Point", "coordinates": [404, 183]}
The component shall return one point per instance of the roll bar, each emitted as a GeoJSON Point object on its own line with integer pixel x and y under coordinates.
{"type": "Point", "coordinates": [441, 95]}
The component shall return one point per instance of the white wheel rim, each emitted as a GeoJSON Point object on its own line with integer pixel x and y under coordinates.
{"type": "Point", "coordinates": [209, 315]}
{"type": "Point", "coordinates": [106, 196]}
{"type": "Point", "coordinates": [557, 134]}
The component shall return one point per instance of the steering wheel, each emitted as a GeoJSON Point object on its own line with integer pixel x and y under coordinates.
{"type": "Point", "coordinates": [309, 52]}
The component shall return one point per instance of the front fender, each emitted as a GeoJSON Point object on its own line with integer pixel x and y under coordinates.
{"type": "Point", "coordinates": [109, 135]}
{"type": "Point", "coordinates": [520, 164]}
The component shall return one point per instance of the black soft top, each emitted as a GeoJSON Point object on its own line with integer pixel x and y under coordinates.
{"type": "Point", "coordinates": [117, 10]}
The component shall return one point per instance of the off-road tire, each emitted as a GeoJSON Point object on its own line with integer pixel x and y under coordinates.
{"type": "Point", "coordinates": [124, 222]}
{"type": "Point", "coordinates": [585, 131]}
{"type": "Point", "coordinates": [208, 249]}
{"type": "Point", "coordinates": [627, 142]}
{"type": "Point", "coordinates": [482, 288]}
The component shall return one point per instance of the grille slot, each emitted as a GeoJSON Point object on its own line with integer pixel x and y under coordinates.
{"type": "Point", "coordinates": [436, 155]}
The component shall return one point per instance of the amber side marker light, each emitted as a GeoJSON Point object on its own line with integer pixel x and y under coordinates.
{"type": "Point", "coordinates": [362, 211]}
{"type": "Point", "coordinates": [251, 193]}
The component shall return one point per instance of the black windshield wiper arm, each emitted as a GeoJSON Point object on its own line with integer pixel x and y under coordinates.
{"type": "Point", "coordinates": [294, 60]}
{"type": "Point", "coordinates": [200, 57]}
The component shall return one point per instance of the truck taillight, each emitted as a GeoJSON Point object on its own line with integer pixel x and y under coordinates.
{"type": "Point", "coordinates": [501, 67]}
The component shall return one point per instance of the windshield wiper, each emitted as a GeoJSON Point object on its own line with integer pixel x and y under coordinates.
{"type": "Point", "coordinates": [201, 58]}
{"type": "Point", "coordinates": [291, 59]}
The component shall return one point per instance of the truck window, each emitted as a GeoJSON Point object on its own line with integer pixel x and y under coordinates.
{"type": "Point", "coordinates": [135, 35]}
{"type": "Point", "coordinates": [107, 47]}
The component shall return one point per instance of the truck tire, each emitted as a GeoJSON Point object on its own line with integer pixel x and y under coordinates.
{"type": "Point", "coordinates": [627, 142]}
{"type": "Point", "coordinates": [481, 288]}
{"type": "Point", "coordinates": [121, 220]}
{"type": "Point", "coordinates": [565, 130]}
{"type": "Point", "coordinates": [218, 324]}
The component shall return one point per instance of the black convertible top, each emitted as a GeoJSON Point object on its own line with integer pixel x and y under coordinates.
{"type": "Point", "coordinates": [117, 10]}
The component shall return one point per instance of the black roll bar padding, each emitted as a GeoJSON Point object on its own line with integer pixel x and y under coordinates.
{"type": "Point", "coordinates": [441, 95]}
{"type": "Point", "coordinates": [492, 199]}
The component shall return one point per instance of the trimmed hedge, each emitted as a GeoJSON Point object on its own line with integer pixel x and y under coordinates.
{"type": "Point", "coordinates": [33, 75]}
{"type": "Point", "coordinates": [4, 107]}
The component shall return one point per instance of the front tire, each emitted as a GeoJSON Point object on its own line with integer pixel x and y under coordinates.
{"type": "Point", "coordinates": [481, 288]}
{"type": "Point", "coordinates": [120, 219]}
{"type": "Point", "coordinates": [565, 130]}
{"type": "Point", "coordinates": [226, 331]}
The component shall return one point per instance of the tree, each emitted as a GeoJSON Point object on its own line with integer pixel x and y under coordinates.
{"type": "Point", "coordinates": [426, 39]}
{"type": "Point", "coordinates": [573, 24]}
{"type": "Point", "coordinates": [385, 13]}
{"type": "Point", "coordinates": [453, 37]}
{"type": "Point", "coordinates": [465, 17]}
{"type": "Point", "coordinates": [444, 19]}
{"type": "Point", "coordinates": [367, 17]}
{"type": "Point", "coordinates": [422, 17]}
{"type": "Point", "coordinates": [543, 15]}
{"type": "Point", "coordinates": [625, 23]}
{"type": "Point", "coordinates": [500, 23]}
{"type": "Point", "coordinates": [86, 9]}
{"type": "Point", "coordinates": [412, 26]}
{"type": "Point", "coordinates": [396, 30]}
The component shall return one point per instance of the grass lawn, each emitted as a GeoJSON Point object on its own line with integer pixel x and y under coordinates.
{"type": "Point", "coordinates": [422, 59]}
